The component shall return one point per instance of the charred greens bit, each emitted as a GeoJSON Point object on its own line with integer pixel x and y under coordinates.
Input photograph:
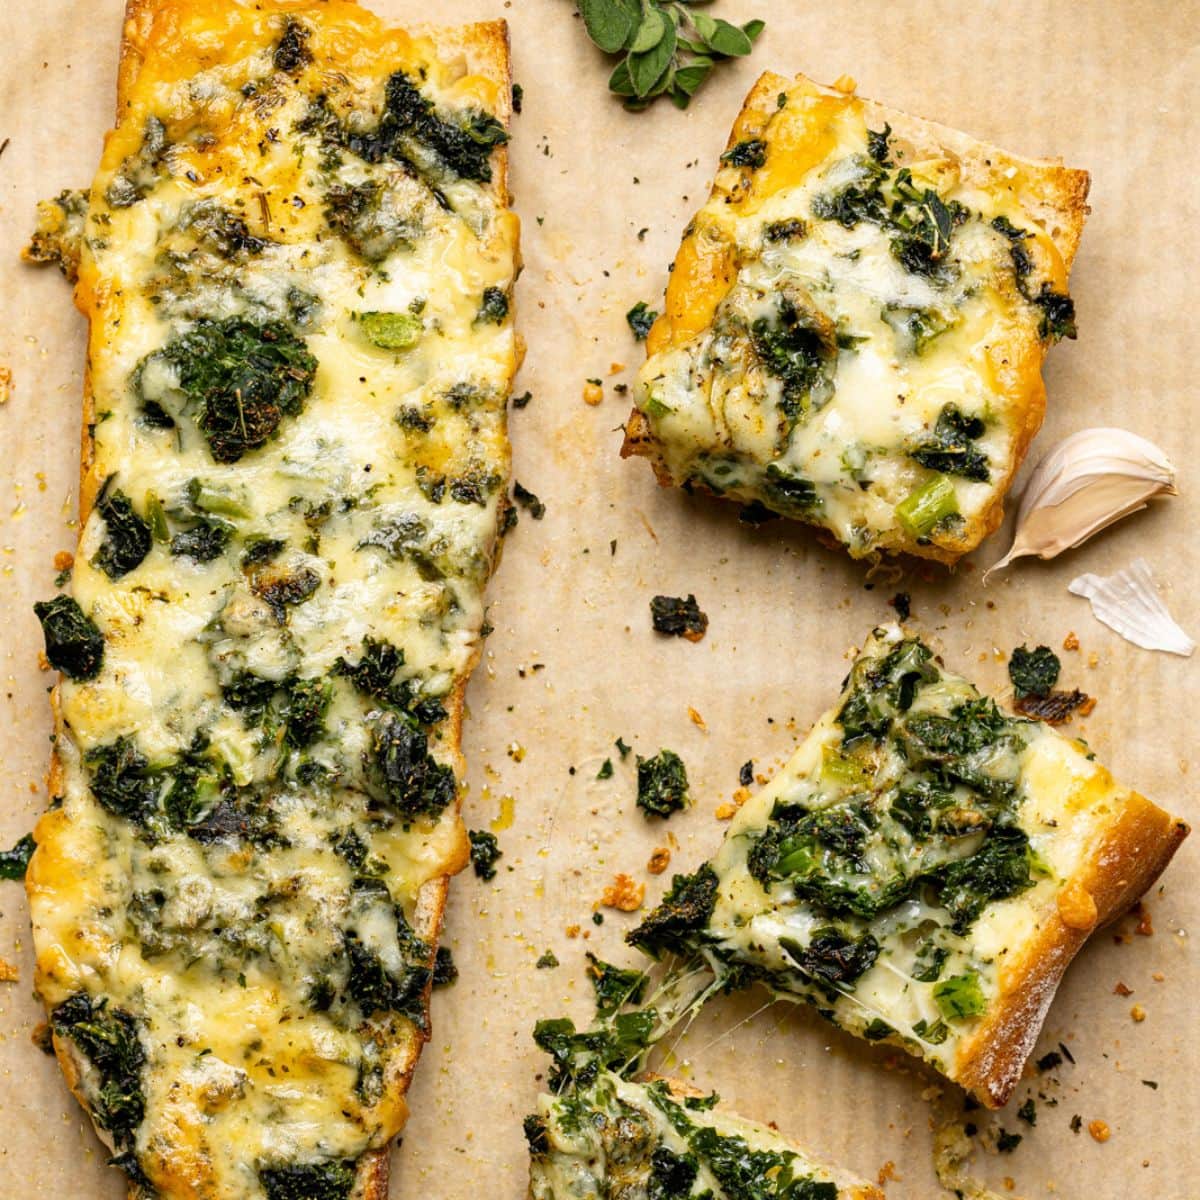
{"type": "Point", "coordinates": [606, 769]}
{"type": "Point", "coordinates": [662, 784]}
{"type": "Point", "coordinates": [917, 328]}
{"type": "Point", "coordinates": [960, 996]}
{"type": "Point", "coordinates": [678, 617]}
{"type": "Point", "coordinates": [374, 989]}
{"type": "Point", "coordinates": [1055, 708]}
{"type": "Point", "coordinates": [366, 217]}
{"type": "Point", "coordinates": [445, 972]}
{"type": "Point", "coordinates": [309, 1181]}
{"type": "Point", "coordinates": [751, 153]}
{"type": "Point", "coordinates": [952, 449]}
{"type": "Point", "coordinates": [682, 914]}
{"type": "Point", "coordinates": [249, 694]}
{"type": "Point", "coordinates": [547, 962]}
{"type": "Point", "coordinates": [796, 347]}
{"type": "Point", "coordinates": [614, 986]}
{"type": "Point", "coordinates": [1058, 314]}
{"type": "Point", "coordinates": [924, 224]}
{"type": "Point", "coordinates": [997, 871]}
{"type": "Point", "coordinates": [391, 331]}
{"type": "Point", "coordinates": [832, 957]}
{"type": "Point", "coordinates": [640, 318]}
{"type": "Point", "coordinates": [493, 307]}
{"type": "Point", "coordinates": [74, 644]}
{"type": "Point", "coordinates": [203, 542]}
{"type": "Point", "coordinates": [122, 780]}
{"type": "Point", "coordinates": [376, 668]}
{"type": "Point", "coordinates": [223, 232]}
{"type": "Point", "coordinates": [579, 1057]}
{"type": "Point", "coordinates": [13, 862]}
{"type": "Point", "coordinates": [790, 230]}
{"type": "Point", "coordinates": [240, 380]}
{"type": "Point", "coordinates": [108, 1038]}
{"type": "Point", "coordinates": [261, 549]}
{"type": "Point", "coordinates": [1021, 261]}
{"type": "Point", "coordinates": [528, 501]}
{"type": "Point", "coordinates": [1033, 672]}
{"type": "Point", "coordinates": [746, 773]}
{"type": "Point", "coordinates": [877, 144]}
{"type": "Point", "coordinates": [924, 509]}
{"type": "Point", "coordinates": [884, 688]}
{"type": "Point", "coordinates": [292, 51]}
{"type": "Point", "coordinates": [286, 589]}
{"type": "Point", "coordinates": [485, 851]}
{"type": "Point", "coordinates": [671, 1174]}
{"type": "Point", "coordinates": [1028, 1111]}
{"type": "Point", "coordinates": [787, 493]}
{"type": "Point", "coordinates": [304, 711]}
{"type": "Point", "coordinates": [1007, 1142]}
{"type": "Point", "coordinates": [58, 237]}
{"type": "Point", "coordinates": [403, 773]}
{"type": "Point", "coordinates": [537, 1136]}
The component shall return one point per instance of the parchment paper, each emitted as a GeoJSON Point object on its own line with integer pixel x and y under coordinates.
{"type": "Point", "coordinates": [573, 664]}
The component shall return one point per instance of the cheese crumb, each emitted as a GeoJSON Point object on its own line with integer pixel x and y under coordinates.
{"type": "Point", "coordinates": [623, 894]}
{"type": "Point", "coordinates": [1099, 1130]}
{"type": "Point", "coordinates": [9, 972]}
{"type": "Point", "coordinates": [593, 393]}
{"type": "Point", "coordinates": [1138, 1013]}
{"type": "Point", "coordinates": [1071, 642]}
{"type": "Point", "coordinates": [659, 861]}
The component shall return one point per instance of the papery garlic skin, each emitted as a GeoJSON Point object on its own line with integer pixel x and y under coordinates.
{"type": "Point", "coordinates": [1128, 603]}
{"type": "Point", "coordinates": [1086, 483]}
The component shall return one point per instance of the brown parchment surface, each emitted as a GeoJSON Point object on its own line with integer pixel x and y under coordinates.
{"type": "Point", "coordinates": [1111, 86]}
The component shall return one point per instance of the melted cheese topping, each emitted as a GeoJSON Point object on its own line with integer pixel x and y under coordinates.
{"type": "Point", "coordinates": [227, 943]}
{"type": "Point", "coordinates": [933, 980]}
{"type": "Point", "coordinates": [810, 227]}
{"type": "Point", "coordinates": [621, 1138]}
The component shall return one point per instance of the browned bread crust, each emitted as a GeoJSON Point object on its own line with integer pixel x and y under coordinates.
{"type": "Point", "coordinates": [1051, 194]}
{"type": "Point", "coordinates": [484, 47]}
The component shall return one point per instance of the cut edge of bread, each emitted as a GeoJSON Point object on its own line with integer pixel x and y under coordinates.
{"type": "Point", "coordinates": [1058, 205]}
{"type": "Point", "coordinates": [485, 47]}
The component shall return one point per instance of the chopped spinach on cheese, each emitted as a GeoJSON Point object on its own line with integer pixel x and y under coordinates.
{"type": "Point", "coordinates": [889, 872]}
{"type": "Point", "coordinates": [301, 365]}
{"type": "Point", "coordinates": [850, 330]}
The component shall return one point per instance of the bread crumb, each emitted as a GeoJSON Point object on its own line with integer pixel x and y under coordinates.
{"type": "Point", "coordinates": [64, 560]}
{"type": "Point", "coordinates": [1145, 927]}
{"type": "Point", "coordinates": [660, 860]}
{"type": "Point", "coordinates": [9, 972]}
{"type": "Point", "coordinates": [1158, 977]}
{"type": "Point", "coordinates": [593, 393]}
{"type": "Point", "coordinates": [615, 368]}
{"type": "Point", "coordinates": [886, 1172]}
{"type": "Point", "coordinates": [42, 661]}
{"type": "Point", "coordinates": [1071, 642]}
{"type": "Point", "coordinates": [1009, 1183]}
{"type": "Point", "coordinates": [1085, 709]}
{"type": "Point", "coordinates": [5, 384]}
{"type": "Point", "coordinates": [696, 719]}
{"type": "Point", "coordinates": [1099, 1130]}
{"type": "Point", "coordinates": [1138, 1013]}
{"type": "Point", "coordinates": [726, 811]}
{"type": "Point", "coordinates": [1122, 989]}
{"type": "Point", "coordinates": [572, 931]}
{"type": "Point", "coordinates": [1093, 659]}
{"type": "Point", "coordinates": [624, 894]}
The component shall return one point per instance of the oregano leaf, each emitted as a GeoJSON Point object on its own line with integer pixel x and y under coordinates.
{"type": "Point", "coordinates": [650, 32]}
{"type": "Point", "coordinates": [610, 23]}
{"type": "Point", "coordinates": [645, 70]}
{"type": "Point", "coordinates": [729, 40]}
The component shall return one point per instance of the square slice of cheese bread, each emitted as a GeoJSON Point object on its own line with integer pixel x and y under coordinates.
{"type": "Point", "coordinates": [922, 870]}
{"type": "Point", "coordinates": [855, 322]}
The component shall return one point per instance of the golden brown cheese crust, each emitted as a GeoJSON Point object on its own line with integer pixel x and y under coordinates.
{"type": "Point", "coordinates": [483, 48]}
{"type": "Point", "coordinates": [1047, 193]}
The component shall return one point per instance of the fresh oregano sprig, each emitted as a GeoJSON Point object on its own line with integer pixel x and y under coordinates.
{"type": "Point", "coordinates": [667, 47]}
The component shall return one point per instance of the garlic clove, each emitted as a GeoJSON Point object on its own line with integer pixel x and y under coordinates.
{"type": "Point", "coordinates": [1086, 483]}
{"type": "Point", "coordinates": [1128, 603]}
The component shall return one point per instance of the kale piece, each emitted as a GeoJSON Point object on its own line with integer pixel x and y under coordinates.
{"type": "Point", "coordinates": [797, 347]}
{"type": "Point", "coordinates": [925, 224]}
{"type": "Point", "coordinates": [640, 318]}
{"type": "Point", "coordinates": [662, 784]}
{"type": "Point", "coordinates": [203, 542]}
{"type": "Point", "coordinates": [374, 989]}
{"type": "Point", "coordinates": [74, 643]}
{"type": "Point", "coordinates": [790, 230]}
{"type": "Point", "coordinates": [618, 1045]}
{"type": "Point", "coordinates": [485, 851]}
{"type": "Point", "coordinates": [13, 862]}
{"type": "Point", "coordinates": [1058, 314]}
{"type": "Point", "coordinates": [786, 492]}
{"type": "Point", "coordinates": [283, 590]}
{"type": "Point", "coordinates": [108, 1037]}
{"type": "Point", "coordinates": [744, 1172]}
{"type": "Point", "coordinates": [122, 780]}
{"type": "Point", "coordinates": [952, 449]}
{"type": "Point", "coordinates": [127, 537]}
{"type": "Point", "coordinates": [528, 501]}
{"type": "Point", "coordinates": [240, 380]}
{"type": "Point", "coordinates": [493, 307]}
{"type": "Point", "coordinates": [682, 914]}
{"type": "Point", "coordinates": [1000, 868]}
{"type": "Point", "coordinates": [249, 694]}
{"type": "Point", "coordinates": [1033, 672]}
{"type": "Point", "coordinates": [832, 957]}
{"type": "Point", "coordinates": [750, 153]}
{"type": "Point", "coordinates": [537, 1136]}
{"type": "Point", "coordinates": [678, 617]}
{"type": "Point", "coordinates": [877, 144]}
{"type": "Point", "coordinates": [291, 53]}
{"type": "Point", "coordinates": [404, 774]}
{"type": "Point", "coordinates": [223, 232]}
{"type": "Point", "coordinates": [671, 1174]}
{"type": "Point", "coordinates": [445, 970]}
{"type": "Point", "coordinates": [376, 667]}
{"type": "Point", "coordinates": [331, 1180]}
{"type": "Point", "coordinates": [884, 688]}
{"type": "Point", "coordinates": [363, 216]}
{"type": "Point", "coordinates": [614, 986]}
{"type": "Point", "coordinates": [304, 709]}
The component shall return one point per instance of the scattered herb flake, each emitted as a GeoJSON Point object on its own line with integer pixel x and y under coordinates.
{"type": "Point", "coordinates": [606, 769]}
{"type": "Point", "coordinates": [678, 617]}
{"type": "Point", "coordinates": [1033, 672]}
{"type": "Point", "coordinates": [662, 784]}
{"type": "Point", "coordinates": [13, 862]}
{"type": "Point", "coordinates": [485, 850]}
{"type": "Point", "coordinates": [641, 317]}
{"type": "Point", "coordinates": [746, 774]}
{"type": "Point", "coordinates": [547, 962]}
